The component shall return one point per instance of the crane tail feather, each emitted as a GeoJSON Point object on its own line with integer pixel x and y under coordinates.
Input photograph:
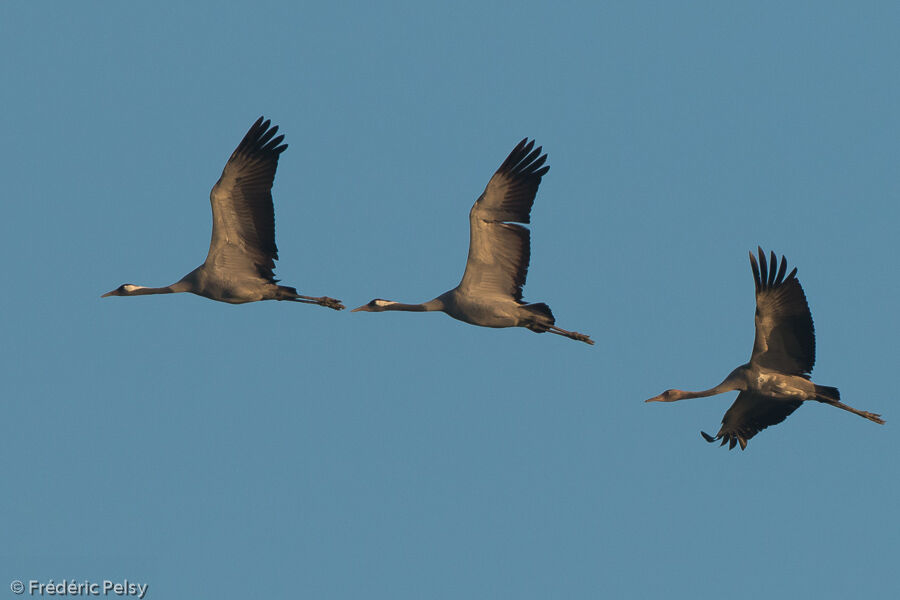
{"type": "Point", "coordinates": [540, 318]}
{"type": "Point", "coordinates": [540, 308]}
{"type": "Point", "coordinates": [286, 293]}
{"type": "Point", "coordinates": [828, 393]}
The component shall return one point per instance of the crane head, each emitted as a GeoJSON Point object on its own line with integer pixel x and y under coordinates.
{"type": "Point", "coordinates": [376, 305]}
{"type": "Point", "coordinates": [666, 396]}
{"type": "Point", "coordinates": [125, 289]}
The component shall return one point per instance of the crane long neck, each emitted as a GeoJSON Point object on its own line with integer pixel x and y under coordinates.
{"type": "Point", "coordinates": [431, 305]}
{"type": "Point", "coordinates": [726, 386]}
{"type": "Point", "coordinates": [144, 291]}
{"type": "Point", "coordinates": [702, 394]}
{"type": "Point", "coordinates": [424, 307]}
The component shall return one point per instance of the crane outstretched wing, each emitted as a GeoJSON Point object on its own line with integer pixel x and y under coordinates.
{"type": "Point", "coordinates": [243, 234]}
{"type": "Point", "coordinates": [750, 414]}
{"type": "Point", "coordinates": [785, 336]}
{"type": "Point", "coordinates": [499, 250]}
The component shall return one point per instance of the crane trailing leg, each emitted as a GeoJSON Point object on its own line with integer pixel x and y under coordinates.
{"type": "Point", "coordinates": [542, 321]}
{"type": "Point", "coordinates": [831, 395]}
{"type": "Point", "coordinates": [289, 293]}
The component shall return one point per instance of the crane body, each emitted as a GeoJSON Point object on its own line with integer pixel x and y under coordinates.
{"type": "Point", "coordinates": [240, 264]}
{"type": "Point", "coordinates": [490, 292]}
{"type": "Point", "coordinates": [776, 381]}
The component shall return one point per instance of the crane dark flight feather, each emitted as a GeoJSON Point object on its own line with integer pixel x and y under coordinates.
{"type": "Point", "coordinates": [785, 335]}
{"type": "Point", "coordinates": [509, 195]}
{"type": "Point", "coordinates": [750, 414]}
{"type": "Point", "coordinates": [499, 251]}
{"type": "Point", "coordinates": [243, 213]}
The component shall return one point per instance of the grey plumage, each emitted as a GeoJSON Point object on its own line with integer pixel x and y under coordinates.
{"type": "Point", "coordinates": [490, 292]}
{"type": "Point", "coordinates": [776, 380]}
{"type": "Point", "coordinates": [240, 264]}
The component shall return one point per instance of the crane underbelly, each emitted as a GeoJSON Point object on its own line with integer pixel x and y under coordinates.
{"type": "Point", "coordinates": [235, 293]}
{"type": "Point", "coordinates": [482, 315]}
{"type": "Point", "coordinates": [788, 387]}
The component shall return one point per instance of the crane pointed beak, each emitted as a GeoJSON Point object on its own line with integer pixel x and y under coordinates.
{"type": "Point", "coordinates": [668, 396]}
{"type": "Point", "coordinates": [112, 293]}
{"type": "Point", "coordinates": [660, 398]}
{"type": "Point", "coordinates": [363, 308]}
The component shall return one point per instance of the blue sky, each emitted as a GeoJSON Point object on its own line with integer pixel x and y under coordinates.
{"type": "Point", "coordinates": [276, 449]}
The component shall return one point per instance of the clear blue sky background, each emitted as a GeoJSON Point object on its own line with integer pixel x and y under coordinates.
{"type": "Point", "coordinates": [281, 450]}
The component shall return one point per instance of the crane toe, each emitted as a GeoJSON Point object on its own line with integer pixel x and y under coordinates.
{"type": "Point", "coordinates": [332, 303]}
